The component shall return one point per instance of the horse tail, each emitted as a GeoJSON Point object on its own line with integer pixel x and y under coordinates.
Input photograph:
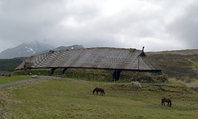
{"type": "Point", "coordinates": [94, 90]}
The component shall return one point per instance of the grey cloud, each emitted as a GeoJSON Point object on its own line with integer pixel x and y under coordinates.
{"type": "Point", "coordinates": [25, 20]}
{"type": "Point", "coordinates": [68, 22]}
{"type": "Point", "coordinates": [185, 28]}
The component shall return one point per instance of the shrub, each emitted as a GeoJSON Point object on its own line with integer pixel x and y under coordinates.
{"type": "Point", "coordinates": [143, 77]}
{"type": "Point", "coordinates": [38, 71]}
{"type": "Point", "coordinates": [89, 75]}
{"type": "Point", "coordinates": [19, 72]}
{"type": "Point", "coordinates": [162, 78]}
{"type": "Point", "coordinates": [32, 72]}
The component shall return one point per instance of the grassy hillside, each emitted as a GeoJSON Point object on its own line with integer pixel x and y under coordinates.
{"type": "Point", "coordinates": [10, 64]}
{"type": "Point", "coordinates": [178, 52]}
{"type": "Point", "coordinates": [66, 99]}
{"type": "Point", "coordinates": [182, 65]}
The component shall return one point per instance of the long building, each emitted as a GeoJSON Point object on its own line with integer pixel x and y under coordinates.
{"type": "Point", "coordinates": [118, 59]}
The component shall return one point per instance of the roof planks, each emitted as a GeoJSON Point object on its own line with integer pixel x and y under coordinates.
{"type": "Point", "coordinates": [93, 58]}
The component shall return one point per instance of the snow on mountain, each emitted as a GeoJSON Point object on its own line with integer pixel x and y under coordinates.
{"type": "Point", "coordinates": [32, 48]}
{"type": "Point", "coordinates": [69, 47]}
{"type": "Point", "coordinates": [24, 50]}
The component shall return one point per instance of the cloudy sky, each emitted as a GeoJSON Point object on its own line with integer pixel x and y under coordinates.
{"type": "Point", "coordinates": [155, 24]}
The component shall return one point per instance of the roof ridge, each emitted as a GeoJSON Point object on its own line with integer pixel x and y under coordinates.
{"type": "Point", "coordinates": [99, 48]}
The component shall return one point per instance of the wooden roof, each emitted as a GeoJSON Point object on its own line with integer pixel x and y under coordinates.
{"type": "Point", "coordinates": [96, 58]}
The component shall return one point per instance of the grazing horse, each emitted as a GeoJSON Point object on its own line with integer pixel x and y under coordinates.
{"type": "Point", "coordinates": [99, 90]}
{"type": "Point", "coordinates": [163, 100]}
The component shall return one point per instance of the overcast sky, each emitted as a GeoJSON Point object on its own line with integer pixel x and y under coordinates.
{"type": "Point", "coordinates": [155, 24]}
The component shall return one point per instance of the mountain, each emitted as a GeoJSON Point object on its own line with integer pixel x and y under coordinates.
{"type": "Point", "coordinates": [69, 47]}
{"type": "Point", "coordinates": [8, 60]}
{"type": "Point", "coordinates": [24, 50]}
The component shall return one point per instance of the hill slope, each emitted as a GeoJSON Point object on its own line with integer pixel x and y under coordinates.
{"type": "Point", "coordinates": [8, 65]}
{"type": "Point", "coordinates": [182, 65]}
{"type": "Point", "coordinates": [54, 99]}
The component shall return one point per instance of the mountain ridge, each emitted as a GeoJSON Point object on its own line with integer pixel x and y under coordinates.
{"type": "Point", "coordinates": [178, 52]}
{"type": "Point", "coordinates": [32, 48]}
{"type": "Point", "coordinates": [24, 50]}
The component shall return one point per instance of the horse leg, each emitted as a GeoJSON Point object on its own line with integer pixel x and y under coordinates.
{"type": "Point", "coordinates": [169, 104]}
{"type": "Point", "coordinates": [93, 91]}
{"type": "Point", "coordinates": [162, 102]}
{"type": "Point", "coordinates": [102, 93]}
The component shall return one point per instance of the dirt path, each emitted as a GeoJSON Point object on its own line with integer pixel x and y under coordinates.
{"type": "Point", "coordinates": [17, 82]}
{"type": "Point", "coordinates": [30, 80]}
{"type": "Point", "coordinates": [50, 77]}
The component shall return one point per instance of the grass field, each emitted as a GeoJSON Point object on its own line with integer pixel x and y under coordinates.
{"type": "Point", "coordinates": [5, 79]}
{"type": "Point", "coordinates": [73, 99]}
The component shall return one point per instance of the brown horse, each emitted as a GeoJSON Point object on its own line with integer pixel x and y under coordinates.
{"type": "Point", "coordinates": [99, 90]}
{"type": "Point", "coordinates": [163, 100]}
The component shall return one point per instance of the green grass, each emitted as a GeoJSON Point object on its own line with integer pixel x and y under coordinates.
{"type": "Point", "coordinates": [32, 72]}
{"type": "Point", "coordinates": [65, 99]}
{"type": "Point", "coordinates": [4, 79]}
{"type": "Point", "coordinates": [91, 75]}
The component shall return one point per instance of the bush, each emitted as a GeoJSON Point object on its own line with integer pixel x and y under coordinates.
{"type": "Point", "coordinates": [143, 77]}
{"type": "Point", "coordinates": [58, 72]}
{"type": "Point", "coordinates": [162, 78]}
{"type": "Point", "coordinates": [38, 72]}
{"type": "Point", "coordinates": [20, 72]}
{"type": "Point", "coordinates": [32, 72]}
{"type": "Point", "coordinates": [146, 78]}
{"type": "Point", "coordinates": [89, 75]}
